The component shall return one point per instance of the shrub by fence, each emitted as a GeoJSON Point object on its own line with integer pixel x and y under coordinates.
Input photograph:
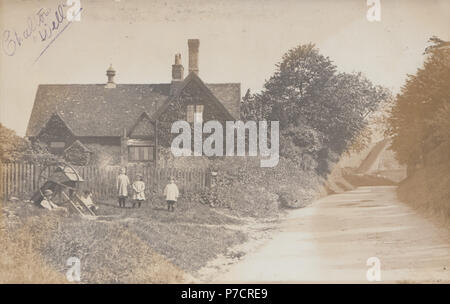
{"type": "Point", "coordinates": [22, 179]}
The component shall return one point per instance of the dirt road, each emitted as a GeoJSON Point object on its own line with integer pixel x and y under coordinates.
{"type": "Point", "coordinates": [331, 240]}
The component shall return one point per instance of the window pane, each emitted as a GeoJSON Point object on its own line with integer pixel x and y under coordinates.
{"type": "Point", "coordinates": [145, 152]}
{"type": "Point", "coordinates": [198, 117]}
{"type": "Point", "coordinates": [190, 113]}
{"type": "Point", "coordinates": [57, 144]}
{"type": "Point", "coordinates": [136, 153]}
{"type": "Point", "coordinates": [140, 153]}
{"type": "Point", "coordinates": [199, 108]}
{"type": "Point", "coordinates": [150, 153]}
{"type": "Point", "coordinates": [131, 153]}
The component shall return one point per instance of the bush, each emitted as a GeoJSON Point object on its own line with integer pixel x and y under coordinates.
{"type": "Point", "coordinates": [246, 189]}
{"type": "Point", "coordinates": [168, 160]}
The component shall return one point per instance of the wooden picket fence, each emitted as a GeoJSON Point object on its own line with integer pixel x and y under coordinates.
{"type": "Point", "coordinates": [22, 179]}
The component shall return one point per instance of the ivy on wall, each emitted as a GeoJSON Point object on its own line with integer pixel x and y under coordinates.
{"type": "Point", "coordinates": [177, 110]}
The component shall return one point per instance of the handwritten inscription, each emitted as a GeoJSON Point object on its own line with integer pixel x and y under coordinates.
{"type": "Point", "coordinates": [43, 26]}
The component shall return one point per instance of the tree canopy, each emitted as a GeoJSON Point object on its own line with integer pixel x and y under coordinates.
{"type": "Point", "coordinates": [15, 148]}
{"type": "Point", "coordinates": [10, 144]}
{"type": "Point", "coordinates": [319, 108]}
{"type": "Point", "coordinates": [420, 118]}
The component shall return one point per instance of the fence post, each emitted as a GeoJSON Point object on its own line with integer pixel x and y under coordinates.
{"type": "Point", "coordinates": [10, 179]}
{"type": "Point", "coordinates": [22, 178]}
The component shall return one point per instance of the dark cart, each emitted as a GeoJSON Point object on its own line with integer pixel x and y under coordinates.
{"type": "Point", "coordinates": [63, 180]}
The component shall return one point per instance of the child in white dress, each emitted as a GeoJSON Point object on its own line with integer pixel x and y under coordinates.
{"type": "Point", "coordinates": [139, 191]}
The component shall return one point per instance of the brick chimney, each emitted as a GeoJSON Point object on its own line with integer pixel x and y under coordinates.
{"type": "Point", "coordinates": [177, 69]}
{"type": "Point", "coordinates": [193, 45]}
{"type": "Point", "coordinates": [110, 73]}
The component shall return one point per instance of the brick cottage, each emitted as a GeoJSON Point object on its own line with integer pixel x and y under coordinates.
{"type": "Point", "coordinates": [121, 123]}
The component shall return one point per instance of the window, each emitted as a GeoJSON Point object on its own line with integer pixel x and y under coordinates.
{"type": "Point", "coordinates": [190, 113]}
{"type": "Point", "coordinates": [140, 153]}
{"type": "Point", "coordinates": [194, 113]}
{"type": "Point", "coordinates": [198, 115]}
{"type": "Point", "coordinates": [57, 144]}
{"type": "Point", "coordinates": [56, 147]}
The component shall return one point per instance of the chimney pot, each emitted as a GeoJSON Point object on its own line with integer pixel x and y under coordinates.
{"type": "Point", "coordinates": [177, 69]}
{"type": "Point", "coordinates": [178, 58]}
{"type": "Point", "coordinates": [193, 45]}
{"type": "Point", "coordinates": [110, 73]}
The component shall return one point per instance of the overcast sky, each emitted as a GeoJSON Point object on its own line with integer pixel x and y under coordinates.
{"type": "Point", "coordinates": [240, 41]}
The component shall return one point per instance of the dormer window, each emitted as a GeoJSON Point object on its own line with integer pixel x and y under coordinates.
{"type": "Point", "coordinates": [57, 147]}
{"type": "Point", "coordinates": [194, 113]}
{"type": "Point", "coordinates": [140, 150]}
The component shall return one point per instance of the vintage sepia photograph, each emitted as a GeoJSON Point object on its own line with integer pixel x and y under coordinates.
{"type": "Point", "coordinates": [222, 142]}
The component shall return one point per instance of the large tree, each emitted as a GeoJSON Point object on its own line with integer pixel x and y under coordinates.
{"type": "Point", "coordinates": [420, 118]}
{"type": "Point", "coordinates": [320, 110]}
{"type": "Point", "coordinates": [15, 148]}
{"type": "Point", "coordinates": [11, 145]}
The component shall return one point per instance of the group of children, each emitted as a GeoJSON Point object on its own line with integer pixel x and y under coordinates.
{"type": "Point", "coordinates": [123, 184]}
{"type": "Point", "coordinates": [47, 201]}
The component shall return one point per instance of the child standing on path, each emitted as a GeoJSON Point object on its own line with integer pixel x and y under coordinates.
{"type": "Point", "coordinates": [139, 188]}
{"type": "Point", "coordinates": [171, 193]}
{"type": "Point", "coordinates": [122, 187]}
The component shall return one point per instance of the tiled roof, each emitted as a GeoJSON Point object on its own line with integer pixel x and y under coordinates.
{"type": "Point", "coordinates": [229, 94]}
{"type": "Point", "coordinates": [93, 110]}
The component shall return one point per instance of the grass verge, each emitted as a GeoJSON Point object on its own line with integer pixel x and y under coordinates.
{"type": "Point", "coordinates": [145, 245]}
